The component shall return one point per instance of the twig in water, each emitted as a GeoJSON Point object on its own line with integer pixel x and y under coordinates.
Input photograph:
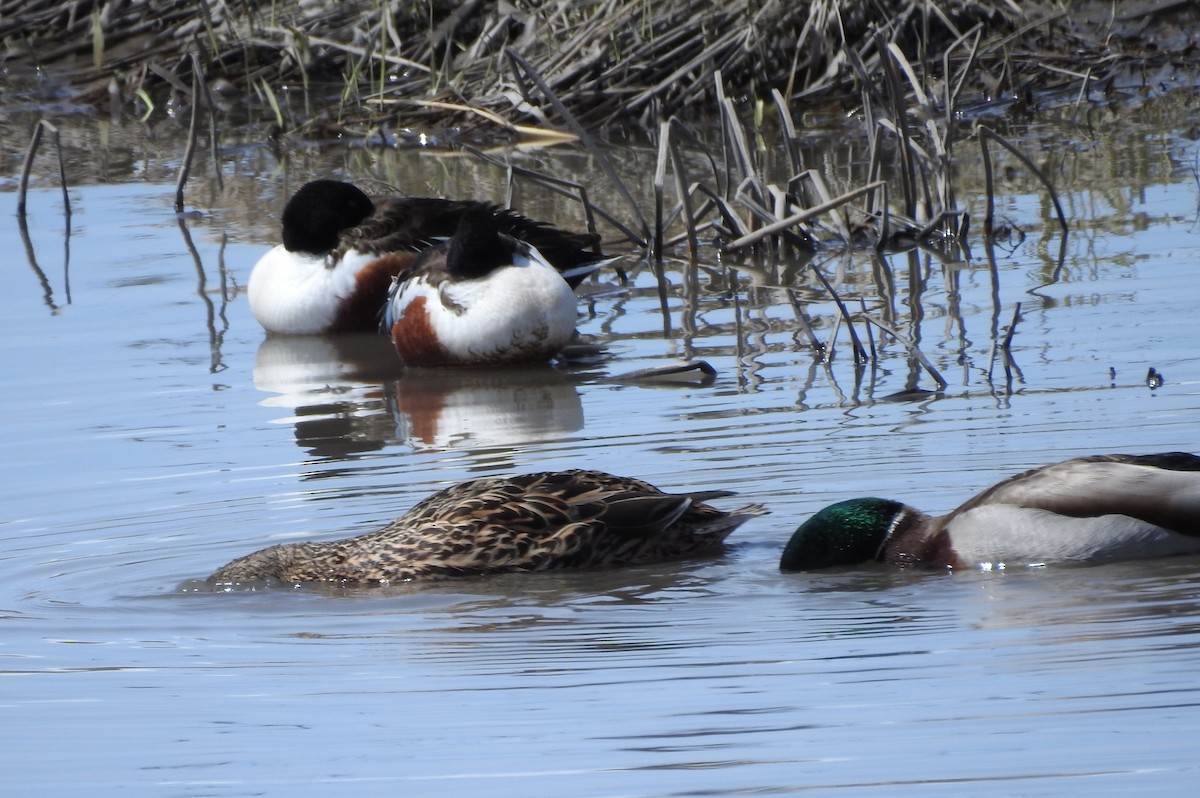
{"type": "Point", "coordinates": [185, 168]}
{"type": "Point", "coordinates": [1006, 347]}
{"type": "Point", "coordinates": [23, 188]}
{"type": "Point", "coordinates": [660, 177]}
{"type": "Point", "coordinates": [860, 354]}
{"type": "Point", "coordinates": [913, 350]}
{"type": "Point", "coordinates": [870, 338]}
{"type": "Point", "coordinates": [1012, 328]}
{"type": "Point", "coordinates": [213, 143]}
{"type": "Point", "coordinates": [802, 317]}
{"type": "Point", "coordinates": [685, 196]}
{"type": "Point", "coordinates": [986, 133]}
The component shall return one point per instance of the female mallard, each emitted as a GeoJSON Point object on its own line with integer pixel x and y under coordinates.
{"type": "Point", "coordinates": [480, 298]}
{"type": "Point", "coordinates": [341, 250]}
{"type": "Point", "coordinates": [1090, 508]}
{"type": "Point", "coordinates": [534, 522]}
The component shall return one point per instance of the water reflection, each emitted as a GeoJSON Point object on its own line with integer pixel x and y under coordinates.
{"type": "Point", "coordinates": [31, 258]}
{"type": "Point", "coordinates": [486, 407]}
{"type": "Point", "coordinates": [213, 314]}
{"type": "Point", "coordinates": [350, 393]}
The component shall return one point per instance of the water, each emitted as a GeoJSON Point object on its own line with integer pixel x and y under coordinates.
{"type": "Point", "coordinates": [153, 434]}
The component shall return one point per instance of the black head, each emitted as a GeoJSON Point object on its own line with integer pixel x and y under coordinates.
{"type": "Point", "coordinates": [478, 246]}
{"type": "Point", "coordinates": [317, 214]}
{"type": "Point", "coordinates": [845, 533]}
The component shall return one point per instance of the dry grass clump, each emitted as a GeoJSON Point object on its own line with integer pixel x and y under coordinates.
{"type": "Point", "coordinates": [358, 63]}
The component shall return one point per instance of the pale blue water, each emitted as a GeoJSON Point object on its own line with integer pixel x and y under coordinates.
{"type": "Point", "coordinates": [151, 434]}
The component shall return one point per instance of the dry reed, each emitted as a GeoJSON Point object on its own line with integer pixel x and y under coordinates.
{"type": "Point", "coordinates": [608, 60]}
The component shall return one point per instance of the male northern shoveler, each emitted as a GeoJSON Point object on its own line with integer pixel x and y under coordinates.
{"type": "Point", "coordinates": [341, 250]}
{"type": "Point", "coordinates": [480, 298]}
{"type": "Point", "coordinates": [1090, 508]}
{"type": "Point", "coordinates": [534, 522]}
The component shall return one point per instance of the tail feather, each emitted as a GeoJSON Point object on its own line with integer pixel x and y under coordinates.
{"type": "Point", "coordinates": [726, 524]}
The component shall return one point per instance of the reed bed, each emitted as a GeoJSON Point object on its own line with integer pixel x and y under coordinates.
{"type": "Point", "coordinates": [356, 64]}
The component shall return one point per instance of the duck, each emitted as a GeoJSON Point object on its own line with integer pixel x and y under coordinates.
{"type": "Point", "coordinates": [480, 298]}
{"type": "Point", "coordinates": [1087, 509]}
{"type": "Point", "coordinates": [341, 250]}
{"type": "Point", "coordinates": [551, 520]}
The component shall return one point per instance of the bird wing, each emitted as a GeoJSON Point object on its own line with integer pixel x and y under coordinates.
{"type": "Point", "coordinates": [525, 521]}
{"type": "Point", "coordinates": [1161, 489]}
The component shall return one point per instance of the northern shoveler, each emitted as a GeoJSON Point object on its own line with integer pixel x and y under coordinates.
{"type": "Point", "coordinates": [480, 298]}
{"type": "Point", "coordinates": [1091, 508]}
{"type": "Point", "coordinates": [342, 249]}
{"type": "Point", "coordinates": [533, 522]}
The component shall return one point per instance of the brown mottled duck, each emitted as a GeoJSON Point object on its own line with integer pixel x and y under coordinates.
{"type": "Point", "coordinates": [533, 522]}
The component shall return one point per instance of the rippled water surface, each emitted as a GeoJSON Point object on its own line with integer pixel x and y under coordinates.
{"type": "Point", "coordinates": [152, 433]}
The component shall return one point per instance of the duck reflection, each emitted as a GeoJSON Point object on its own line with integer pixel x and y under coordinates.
{"type": "Point", "coordinates": [485, 407]}
{"type": "Point", "coordinates": [350, 394]}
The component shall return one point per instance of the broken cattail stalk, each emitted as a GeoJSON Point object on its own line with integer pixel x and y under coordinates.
{"type": "Point", "coordinates": [185, 168]}
{"type": "Point", "coordinates": [660, 177]}
{"type": "Point", "coordinates": [684, 188]}
{"type": "Point", "coordinates": [912, 349]}
{"type": "Point", "coordinates": [986, 133]}
{"type": "Point", "coordinates": [860, 354]}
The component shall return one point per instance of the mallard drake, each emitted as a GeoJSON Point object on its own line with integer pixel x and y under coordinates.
{"type": "Point", "coordinates": [1102, 507]}
{"type": "Point", "coordinates": [533, 522]}
{"type": "Point", "coordinates": [480, 298]}
{"type": "Point", "coordinates": [341, 250]}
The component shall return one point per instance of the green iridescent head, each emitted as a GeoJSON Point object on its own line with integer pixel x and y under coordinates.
{"type": "Point", "coordinates": [845, 533]}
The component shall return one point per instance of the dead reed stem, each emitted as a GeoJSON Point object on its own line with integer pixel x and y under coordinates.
{"type": "Point", "coordinates": [913, 350]}
{"type": "Point", "coordinates": [185, 168]}
{"type": "Point", "coordinates": [985, 134]}
{"type": "Point", "coordinates": [624, 61]}
{"type": "Point", "coordinates": [23, 187]}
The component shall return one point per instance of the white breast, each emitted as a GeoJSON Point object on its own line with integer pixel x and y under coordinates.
{"type": "Point", "coordinates": [298, 294]}
{"type": "Point", "coordinates": [514, 313]}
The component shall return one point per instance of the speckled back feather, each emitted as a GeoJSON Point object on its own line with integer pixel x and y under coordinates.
{"type": "Point", "coordinates": [531, 522]}
{"type": "Point", "coordinates": [416, 223]}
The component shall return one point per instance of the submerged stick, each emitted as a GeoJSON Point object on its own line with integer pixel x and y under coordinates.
{"type": "Point", "coordinates": [685, 196]}
{"type": "Point", "coordinates": [1012, 328]}
{"type": "Point", "coordinates": [185, 168]}
{"type": "Point", "coordinates": [213, 142]}
{"type": "Point", "coordinates": [913, 349]}
{"type": "Point", "coordinates": [860, 354]}
{"type": "Point", "coordinates": [27, 166]}
{"type": "Point", "coordinates": [660, 178]}
{"type": "Point", "coordinates": [862, 303]}
{"type": "Point", "coordinates": [986, 133]}
{"type": "Point", "coordinates": [989, 190]}
{"type": "Point", "coordinates": [802, 318]}
{"type": "Point", "coordinates": [1006, 347]}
